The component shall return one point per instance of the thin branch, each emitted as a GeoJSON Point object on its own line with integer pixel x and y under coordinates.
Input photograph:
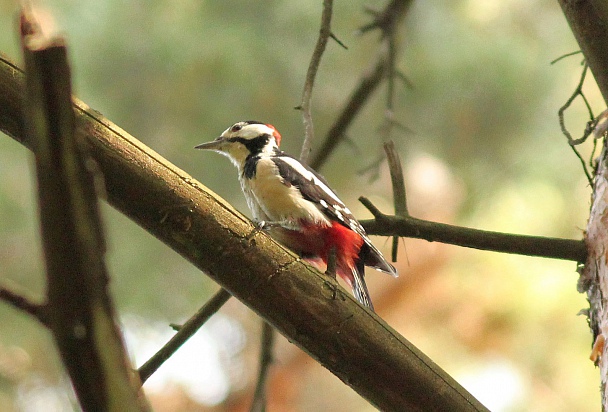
{"type": "Point", "coordinates": [311, 74]}
{"type": "Point", "coordinates": [563, 56]}
{"type": "Point", "coordinates": [399, 195]}
{"type": "Point", "coordinates": [38, 311]}
{"type": "Point", "coordinates": [337, 40]}
{"type": "Point", "coordinates": [370, 80]}
{"type": "Point", "coordinates": [554, 248]}
{"type": "Point", "coordinates": [392, 63]}
{"type": "Point", "coordinates": [259, 396]}
{"type": "Point", "coordinates": [185, 332]}
{"type": "Point", "coordinates": [388, 18]}
{"type": "Point", "coordinates": [578, 91]}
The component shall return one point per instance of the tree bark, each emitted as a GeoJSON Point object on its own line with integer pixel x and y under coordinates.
{"type": "Point", "coordinates": [588, 20]}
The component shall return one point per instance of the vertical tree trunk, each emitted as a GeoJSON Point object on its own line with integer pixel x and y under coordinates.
{"type": "Point", "coordinates": [594, 277]}
{"type": "Point", "coordinates": [588, 20]}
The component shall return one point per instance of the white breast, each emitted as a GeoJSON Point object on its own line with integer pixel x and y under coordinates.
{"type": "Point", "coordinates": [269, 198]}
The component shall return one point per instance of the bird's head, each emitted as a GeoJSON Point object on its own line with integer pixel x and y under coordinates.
{"type": "Point", "coordinates": [244, 139]}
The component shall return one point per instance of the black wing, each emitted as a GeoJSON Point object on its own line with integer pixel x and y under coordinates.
{"type": "Point", "coordinates": [315, 188]}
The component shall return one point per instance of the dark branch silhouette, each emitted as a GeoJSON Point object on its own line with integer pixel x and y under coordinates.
{"type": "Point", "coordinates": [184, 333]}
{"type": "Point", "coordinates": [267, 345]}
{"type": "Point", "coordinates": [554, 248]}
{"type": "Point", "coordinates": [38, 311]}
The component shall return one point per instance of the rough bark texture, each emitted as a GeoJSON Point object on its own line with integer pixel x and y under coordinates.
{"type": "Point", "coordinates": [588, 20]}
{"type": "Point", "coordinates": [594, 277]}
{"type": "Point", "coordinates": [303, 304]}
{"type": "Point", "coordinates": [589, 23]}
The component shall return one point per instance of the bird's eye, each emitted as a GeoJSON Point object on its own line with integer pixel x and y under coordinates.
{"type": "Point", "coordinates": [236, 128]}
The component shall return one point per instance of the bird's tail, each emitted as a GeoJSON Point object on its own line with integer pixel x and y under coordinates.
{"type": "Point", "coordinates": [359, 287]}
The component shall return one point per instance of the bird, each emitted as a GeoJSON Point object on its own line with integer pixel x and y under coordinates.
{"type": "Point", "coordinates": [297, 206]}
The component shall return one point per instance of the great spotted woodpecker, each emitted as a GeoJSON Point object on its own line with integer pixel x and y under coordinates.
{"type": "Point", "coordinates": [297, 205]}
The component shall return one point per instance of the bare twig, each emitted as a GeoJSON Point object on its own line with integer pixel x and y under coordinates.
{"type": "Point", "coordinates": [259, 396]}
{"type": "Point", "coordinates": [184, 333]}
{"type": "Point", "coordinates": [370, 80]}
{"type": "Point", "coordinates": [386, 20]}
{"type": "Point", "coordinates": [337, 40]}
{"type": "Point", "coordinates": [388, 25]}
{"type": "Point", "coordinates": [399, 195]}
{"type": "Point", "coordinates": [38, 311]}
{"type": "Point", "coordinates": [389, 31]}
{"type": "Point", "coordinates": [578, 91]}
{"type": "Point", "coordinates": [563, 56]}
{"type": "Point", "coordinates": [554, 248]}
{"type": "Point", "coordinates": [311, 74]}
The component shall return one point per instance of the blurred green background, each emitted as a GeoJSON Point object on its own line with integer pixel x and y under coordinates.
{"type": "Point", "coordinates": [486, 152]}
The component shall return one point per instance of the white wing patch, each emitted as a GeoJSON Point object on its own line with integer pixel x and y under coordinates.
{"type": "Point", "coordinates": [308, 175]}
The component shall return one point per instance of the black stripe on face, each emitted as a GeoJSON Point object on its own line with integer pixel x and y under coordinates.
{"type": "Point", "coordinates": [255, 145]}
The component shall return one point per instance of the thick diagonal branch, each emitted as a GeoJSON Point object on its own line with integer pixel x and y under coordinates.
{"type": "Point", "coordinates": [302, 303]}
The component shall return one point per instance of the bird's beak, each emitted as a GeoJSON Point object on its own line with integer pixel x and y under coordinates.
{"type": "Point", "coordinates": [213, 145]}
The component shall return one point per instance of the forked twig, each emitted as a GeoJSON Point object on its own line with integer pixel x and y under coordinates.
{"type": "Point", "coordinates": [578, 91]}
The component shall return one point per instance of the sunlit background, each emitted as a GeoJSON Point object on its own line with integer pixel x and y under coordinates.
{"type": "Point", "coordinates": [486, 152]}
